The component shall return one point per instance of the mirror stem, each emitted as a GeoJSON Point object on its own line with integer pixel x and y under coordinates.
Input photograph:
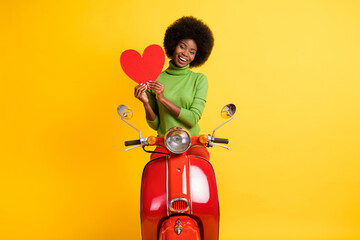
{"type": "Point", "coordinates": [132, 126]}
{"type": "Point", "coordinates": [213, 135]}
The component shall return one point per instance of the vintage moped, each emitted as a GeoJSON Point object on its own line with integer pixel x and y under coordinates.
{"type": "Point", "coordinates": [179, 196]}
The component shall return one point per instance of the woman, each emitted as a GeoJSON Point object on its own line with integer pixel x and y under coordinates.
{"type": "Point", "coordinates": [178, 96]}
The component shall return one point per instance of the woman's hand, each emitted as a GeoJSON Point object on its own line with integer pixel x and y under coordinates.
{"type": "Point", "coordinates": [140, 93]}
{"type": "Point", "coordinates": [158, 88]}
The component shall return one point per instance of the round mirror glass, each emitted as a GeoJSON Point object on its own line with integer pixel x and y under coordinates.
{"type": "Point", "coordinates": [125, 112]}
{"type": "Point", "coordinates": [228, 111]}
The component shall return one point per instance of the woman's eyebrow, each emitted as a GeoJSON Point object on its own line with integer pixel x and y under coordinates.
{"type": "Point", "coordinates": [183, 43]}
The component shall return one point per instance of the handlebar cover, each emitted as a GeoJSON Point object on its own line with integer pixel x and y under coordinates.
{"type": "Point", "coordinates": [132, 142]}
{"type": "Point", "coordinates": [221, 140]}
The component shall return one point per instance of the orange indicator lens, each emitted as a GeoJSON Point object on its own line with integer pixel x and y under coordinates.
{"type": "Point", "coordinates": [151, 140]}
{"type": "Point", "coordinates": [203, 139]}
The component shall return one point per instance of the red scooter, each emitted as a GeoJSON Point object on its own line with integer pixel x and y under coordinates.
{"type": "Point", "coordinates": [179, 197]}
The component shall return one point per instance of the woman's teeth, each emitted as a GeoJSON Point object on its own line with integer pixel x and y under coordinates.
{"type": "Point", "coordinates": [182, 59]}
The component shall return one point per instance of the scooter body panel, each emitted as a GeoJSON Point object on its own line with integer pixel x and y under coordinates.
{"type": "Point", "coordinates": [153, 199]}
{"type": "Point", "coordinates": [204, 197]}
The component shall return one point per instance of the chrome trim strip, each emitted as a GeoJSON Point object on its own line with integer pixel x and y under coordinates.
{"type": "Point", "coordinates": [191, 208]}
{"type": "Point", "coordinates": [167, 186]}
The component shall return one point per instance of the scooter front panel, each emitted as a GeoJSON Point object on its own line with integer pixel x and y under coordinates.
{"type": "Point", "coordinates": [153, 200]}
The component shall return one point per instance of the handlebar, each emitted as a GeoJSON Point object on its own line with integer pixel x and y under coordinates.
{"type": "Point", "coordinates": [132, 142]}
{"type": "Point", "coordinates": [210, 142]}
{"type": "Point", "coordinates": [221, 140]}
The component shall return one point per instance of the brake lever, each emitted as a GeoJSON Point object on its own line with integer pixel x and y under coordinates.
{"type": "Point", "coordinates": [221, 146]}
{"type": "Point", "coordinates": [132, 148]}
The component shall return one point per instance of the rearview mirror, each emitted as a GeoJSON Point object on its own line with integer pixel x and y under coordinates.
{"type": "Point", "coordinates": [125, 112]}
{"type": "Point", "coordinates": [228, 111]}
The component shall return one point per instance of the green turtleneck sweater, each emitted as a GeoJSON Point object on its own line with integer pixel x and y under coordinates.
{"type": "Point", "coordinates": [187, 90]}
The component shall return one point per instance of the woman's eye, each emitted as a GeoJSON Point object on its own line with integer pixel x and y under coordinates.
{"type": "Point", "coordinates": [182, 47]}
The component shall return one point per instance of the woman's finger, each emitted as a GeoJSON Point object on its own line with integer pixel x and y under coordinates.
{"type": "Point", "coordinates": [139, 89]}
{"type": "Point", "coordinates": [156, 86]}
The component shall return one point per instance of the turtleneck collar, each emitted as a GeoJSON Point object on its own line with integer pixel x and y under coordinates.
{"type": "Point", "coordinates": [175, 70]}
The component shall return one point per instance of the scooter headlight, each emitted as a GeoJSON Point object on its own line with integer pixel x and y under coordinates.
{"type": "Point", "coordinates": [177, 140]}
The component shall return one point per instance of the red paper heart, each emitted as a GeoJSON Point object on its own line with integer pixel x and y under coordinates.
{"type": "Point", "coordinates": [145, 68]}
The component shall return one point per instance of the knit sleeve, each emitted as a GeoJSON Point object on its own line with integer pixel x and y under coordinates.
{"type": "Point", "coordinates": [153, 103]}
{"type": "Point", "coordinates": [192, 115]}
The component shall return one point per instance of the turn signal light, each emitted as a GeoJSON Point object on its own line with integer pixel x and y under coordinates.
{"type": "Point", "coordinates": [203, 139]}
{"type": "Point", "coordinates": [151, 140]}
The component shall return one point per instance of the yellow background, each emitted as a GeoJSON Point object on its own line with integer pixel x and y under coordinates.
{"type": "Point", "coordinates": [291, 68]}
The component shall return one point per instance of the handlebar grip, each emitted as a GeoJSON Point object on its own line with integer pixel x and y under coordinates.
{"type": "Point", "coordinates": [221, 140]}
{"type": "Point", "coordinates": [132, 142]}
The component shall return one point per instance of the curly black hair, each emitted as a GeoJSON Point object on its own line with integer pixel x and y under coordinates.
{"type": "Point", "coordinates": [189, 27]}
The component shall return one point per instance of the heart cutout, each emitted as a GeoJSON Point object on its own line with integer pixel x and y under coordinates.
{"type": "Point", "coordinates": [143, 68]}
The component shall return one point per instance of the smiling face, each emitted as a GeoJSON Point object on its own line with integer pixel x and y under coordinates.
{"type": "Point", "coordinates": [184, 52]}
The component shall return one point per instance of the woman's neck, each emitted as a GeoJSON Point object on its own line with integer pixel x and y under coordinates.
{"type": "Point", "coordinates": [173, 69]}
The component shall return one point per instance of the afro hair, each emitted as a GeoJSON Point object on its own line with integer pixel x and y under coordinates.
{"type": "Point", "coordinates": [189, 27]}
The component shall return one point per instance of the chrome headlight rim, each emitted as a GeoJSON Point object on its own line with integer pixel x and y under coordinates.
{"type": "Point", "coordinates": [168, 135]}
